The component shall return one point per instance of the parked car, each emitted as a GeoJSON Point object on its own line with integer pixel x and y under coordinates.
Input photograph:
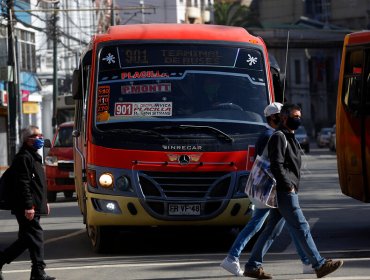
{"type": "Point", "coordinates": [332, 140]}
{"type": "Point", "coordinates": [303, 139]}
{"type": "Point", "coordinates": [323, 137]}
{"type": "Point", "coordinates": [59, 163]}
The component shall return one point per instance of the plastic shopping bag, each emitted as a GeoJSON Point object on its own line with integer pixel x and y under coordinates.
{"type": "Point", "coordinates": [261, 184]}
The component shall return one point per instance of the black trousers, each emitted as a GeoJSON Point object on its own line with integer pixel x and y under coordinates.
{"type": "Point", "coordinates": [31, 237]}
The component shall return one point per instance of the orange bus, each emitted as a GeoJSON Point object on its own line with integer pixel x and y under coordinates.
{"type": "Point", "coordinates": [353, 117]}
{"type": "Point", "coordinates": [166, 119]}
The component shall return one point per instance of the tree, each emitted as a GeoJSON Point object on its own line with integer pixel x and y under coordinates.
{"type": "Point", "coordinates": [234, 14]}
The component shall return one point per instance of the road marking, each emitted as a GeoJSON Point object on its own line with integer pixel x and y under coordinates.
{"type": "Point", "coordinates": [174, 263]}
{"type": "Point", "coordinates": [65, 236]}
{"type": "Point", "coordinates": [99, 266]}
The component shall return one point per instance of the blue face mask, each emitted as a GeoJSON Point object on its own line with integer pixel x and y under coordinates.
{"type": "Point", "coordinates": [38, 143]}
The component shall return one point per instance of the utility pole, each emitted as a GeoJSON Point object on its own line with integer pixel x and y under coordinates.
{"type": "Point", "coordinates": [55, 64]}
{"type": "Point", "coordinates": [12, 85]}
{"type": "Point", "coordinates": [112, 15]}
{"type": "Point", "coordinates": [142, 5]}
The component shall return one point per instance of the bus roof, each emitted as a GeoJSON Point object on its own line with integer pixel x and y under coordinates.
{"type": "Point", "coordinates": [361, 37]}
{"type": "Point", "coordinates": [178, 32]}
{"type": "Point", "coordinates": [69, 123]}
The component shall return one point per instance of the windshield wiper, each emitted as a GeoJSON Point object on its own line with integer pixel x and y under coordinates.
{"type": "Point", "coordinates": [143, 132]}
{"type": "Point", "coordinates": [219, 133]}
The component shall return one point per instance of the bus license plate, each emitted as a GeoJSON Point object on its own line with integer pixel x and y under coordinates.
{"type": "Point", "coordinates": [184, 209]}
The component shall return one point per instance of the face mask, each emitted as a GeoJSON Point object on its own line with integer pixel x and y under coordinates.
{"type": "Point", "coordinates": [38, 143]}
{"type": "Point", "coordinates": [293, 123]}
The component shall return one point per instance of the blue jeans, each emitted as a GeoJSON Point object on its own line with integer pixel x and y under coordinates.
{"type": "Point", "coordinates": [251, 228]}
{"type": "Point", "coordinates": [298, 227]}
{"type": "Point", "coordinates": [291, 211]}
{"type": "Point", "coordinates": [272, 230]}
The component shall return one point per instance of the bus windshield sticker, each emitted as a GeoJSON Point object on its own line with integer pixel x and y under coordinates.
{"type": "Point", "coordinates": [109, 58]}
{"type": "Point", "coordinates": [103, 98]}
{"type": "Point", "coordinates": [249, 59]}
{"type": "Point", "coordinates": [143, 109]}
{"type": "Point", "coordinates": [143, 74]}
{"type": "Point", "coordinates": [146, 88]}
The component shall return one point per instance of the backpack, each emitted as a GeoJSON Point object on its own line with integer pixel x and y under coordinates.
{"type": "Point", "coordinates": [6, 190]}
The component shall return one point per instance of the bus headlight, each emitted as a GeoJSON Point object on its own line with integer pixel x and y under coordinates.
{"type": "Point", "coordinates": [106, 206]}
{"type": "Point", "coordinates": [51, 161]}
{"type": "Point", "coordinates": [123, 183]}
{"type": "Point", "coordinates": [106, 180]}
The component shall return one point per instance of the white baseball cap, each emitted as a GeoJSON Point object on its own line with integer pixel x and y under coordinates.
{"type": "Point", "coordinates": [272, 109]}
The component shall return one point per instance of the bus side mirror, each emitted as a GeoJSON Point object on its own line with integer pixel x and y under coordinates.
{"type": "Point", "coordinates": [276, 78]}
{"type": "Point", "coordinates": [278, 84]}
{"type": "Point", "coordinates": [47, 143]}
{"type": "Point", "coordinates": [46, 148]}
{"type": "Point", "coordinates": [77, 84]}
{"type": "Point", "coordinates": [76, 133]}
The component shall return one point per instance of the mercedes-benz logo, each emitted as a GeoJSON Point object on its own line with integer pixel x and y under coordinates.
{"type": "Point", "coordinates": [184, 159]}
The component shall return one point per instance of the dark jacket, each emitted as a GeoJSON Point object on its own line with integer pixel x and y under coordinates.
{"type": "Point", "coordinates": [29, 182]}
{"type": "Point", "coordinates": [285, 162]}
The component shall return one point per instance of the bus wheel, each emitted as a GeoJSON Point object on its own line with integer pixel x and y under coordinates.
{"type": "Point", "coordinates": [100, 238]}
{"type": "Point", "coordinates": [52, 196]}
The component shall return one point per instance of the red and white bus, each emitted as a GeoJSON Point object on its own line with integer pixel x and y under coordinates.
{"type": "Point", "coordinates": [353, 117]}
{"type": "Point", "coordinates": [166, 119]}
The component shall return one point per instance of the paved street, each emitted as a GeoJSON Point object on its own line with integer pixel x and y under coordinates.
{"type": "Point", "coordinates": [340, 227]}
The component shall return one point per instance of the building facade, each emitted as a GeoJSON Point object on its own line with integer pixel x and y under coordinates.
{"type": "Point", "coordinates": [316, 31]}
{"type": "Point", "coordinates": [161, 11]}
{"type": "Point", "coordinates": [69, 24]}
{"type": "Point", "coordinates": [22, 75]}
{"type": "Point", "coordinates": [351, 14]}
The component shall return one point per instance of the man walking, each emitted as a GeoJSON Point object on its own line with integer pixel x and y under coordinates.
{"type": "Point", "coordinates": [231, 262]}
{"type": "Point", "coordinates": [29, 199]}
{"type": "Point", "coordinates": [285, 166]}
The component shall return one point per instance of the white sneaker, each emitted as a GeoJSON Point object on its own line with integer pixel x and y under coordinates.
{"type": "Point", "coordinates": [232, 267]}
{"type": "Point", "coordinates": [307, 269]}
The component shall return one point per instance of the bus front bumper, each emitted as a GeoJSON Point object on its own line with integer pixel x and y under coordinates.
{"type": "Point", "coordinates": [105, 210]}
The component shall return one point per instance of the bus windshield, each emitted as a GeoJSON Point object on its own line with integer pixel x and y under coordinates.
{"type": "Point", "coordinates": [179, 83]}
{"type": "Point", "coordinates": [64, 137]}
{"type": "Point", "coordinates": [65, 115]}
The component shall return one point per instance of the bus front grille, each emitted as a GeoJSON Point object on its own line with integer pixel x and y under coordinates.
{"type": "Point", "coordinates": [208, 189]}
{"type": "Point", "coordinates": [65, 166]}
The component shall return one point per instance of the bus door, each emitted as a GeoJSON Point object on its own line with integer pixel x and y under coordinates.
{"type": "Point", "coordinates": [80, 89]}
{"type": "Point", "coordinates": [353, 134]}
